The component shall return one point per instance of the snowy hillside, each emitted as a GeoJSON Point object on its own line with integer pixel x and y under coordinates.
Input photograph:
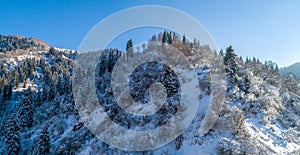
{"type": "Point", "coordinates": [261, 113]}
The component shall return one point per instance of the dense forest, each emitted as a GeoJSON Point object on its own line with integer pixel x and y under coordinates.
{"type": "Point", "coordinates": [38, 114]}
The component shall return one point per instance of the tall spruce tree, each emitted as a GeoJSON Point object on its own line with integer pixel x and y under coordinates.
{"type": "Point", "coordinates": [170, 39]}
{"type": "Point", "coordinates": [44, 142]}
{"type": "Point", "coordinates": [184, 39]}
{"type": "Point", "coordinates": [59, 86]}
{"type": "Point", "coordinates": [231, 64]}
{"type": "Point", "coordinates": [26, 110]}
{"type": "Point", "coordinates": [12, 137]}
{"type": "Point", "coordinates": [165, 37]}
{"type": "Point", "coordinates": [129, 48]}
{"type": "Point", "coordinates": [221, 53]}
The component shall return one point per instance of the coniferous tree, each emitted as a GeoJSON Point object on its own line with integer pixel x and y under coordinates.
{"type": "Point", "coordinates": [247, 60]}
{"type": "Point", "coordinates": [247, 84]}
{"type": "Point", "coordinates": [183, 39]}
{"type": "Point", "coordinates": [50, 91]}
{"type": "Point", "coordinates": [2, 95]}
{"type": "Point", "coordinates": [221, 53]}
{"type": "Point", "coordinates": [2, 99]}
{"type": "Point", "coordinates": [67, 84]}
{"type": "Point", "coordinates": [153, 39]}
{"type": "Point", "coordinates": [170, 40]}
{"type": "Point", "coordinates": [254, 60]}
{"type": "Point", "coordinates": [276, 69]}
{"type": "Point", "coordinates": [241, 60]}
{"type": "Point", "coordinates": [12, 137]}
{"type": "Point", "coordinates": [231, 64]}
{"type": "Point", "coordinates": [44, 142]}
{"type": "Point", "coordinates": [26, 110]}
{"type": "Point", "coordinates": [16, 80]}
{"type": "Point", "coordinates": [9, 91]}
{"type": "Point", "coordinates": [51, 51]}
{"type": "Point", "coordinates": [165, 37]}
{"type": "Point", "coordinates": [129, 48]}
{"type": "Point", "coordinates": [179, 142]}
{"type": "Point", "coordinates": [60, 86]}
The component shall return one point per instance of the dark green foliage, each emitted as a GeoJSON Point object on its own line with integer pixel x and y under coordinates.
{"type": "Point", "coordinates": [51, 51]}
{"type": "Point", "coordinates": [26, 110]}
{"type": "Point", "coordinates": [169, 37]}
{"type": "Point", "coordinates": [179, 141]}
{"type": "Point", "coordinates": [247, 84]}
{"type": "Point", "coordinates": [59, 86]}
{"type": "Point", "coordinates": [44, 142]}
{"type": "Point", "coordinates": [10, 43]}
{"type": "Point", "coordinates": [184, 39]}
{"type": "Point", "coordinates": [221, 53]}
{"type": "Point", "coordinates": [12, 138]}
{"type": "Point", "coordinates": [129, 48]}
{"type": "Point", "coordinates": [153, 39]}
{"type": "Point", "coordinates": [231, 64]}
{"type": "Point", "coordinates": [165, 37]}
{"type": "Point", "coordinates": [276, 69]}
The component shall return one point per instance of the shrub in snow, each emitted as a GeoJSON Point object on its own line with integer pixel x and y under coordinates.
{"type": "Point", "coordinates": [228, 147]}
{"type": "Point", "coordinates": [178, 142]}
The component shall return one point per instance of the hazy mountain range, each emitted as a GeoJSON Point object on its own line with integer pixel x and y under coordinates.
{"type": "Point", "coordinates": [295, 69]}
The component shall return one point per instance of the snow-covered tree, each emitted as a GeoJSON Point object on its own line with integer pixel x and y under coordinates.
{"type": "Point", "coordinates": [179, 141]}
{"type": "Point", "coordinates": [129, 48]}
{"type": "Point", "coordinates": [12, 137]}
{"type": "Point", "coordinates": [231, 64]}
{"type": "Point", "coordinates": [59, 86]}
{"type": "Point", "coordinates": [44, 142]}
{"type": "Point", "coordinates": [26, 109]}
{"type": "Point", "coordinates": [291, 83]}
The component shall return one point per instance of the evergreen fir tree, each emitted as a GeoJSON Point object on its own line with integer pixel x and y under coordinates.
{"type": "Point", "coordinates": [2, 100]}
{"type": "Point", "coordinates": [66, 84]}
{"type": "Point", "coordinates": [16, 80]}
{"type": "Point", "coordinates": [247, 83]}
{"type": "Point", "coordinates": [184, 39]}
{"type": "Point", "coordinates": [2, 96]}
{"type": "Point", "coordinates": [44, 142]}
{"type": "Point", "coordinates": [170, 41]}
{"type": "Point", "coordinates": [12, 138]}
{"type": "Point", "coordinates": [26, 110]}
{"type": "Point", "coordinates": [231, 64]}
{"type": "Point", "coordinates": [254, 60]}
{"type": "Point", "coordinates": [179, 142]}
{"type": "Point", "coordinates": [129, 48]}
{"type": "Point", "coordinates": [221, 53]}
{"type": "Point", "coordinates": [8, 91]}
{"type": "Point", "coordinates": [276, 69]}
{"type": "Point", "coordinates": [59, 86]}
{"type": "Point", "coordinates": [247, 60]}
{"type": "Point", "coordinates": [153, 39]}
{"type": "Point", "coordinates": [165, 37]}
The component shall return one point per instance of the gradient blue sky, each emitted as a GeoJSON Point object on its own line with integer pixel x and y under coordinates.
{"type": "Point", "coordinates": [269, 29]}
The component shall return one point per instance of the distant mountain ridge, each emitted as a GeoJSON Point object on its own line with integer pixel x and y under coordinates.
{"type": "Point", "coordinates": [17, 42]}
{"type": "Point", "coordinates": [295, 69]}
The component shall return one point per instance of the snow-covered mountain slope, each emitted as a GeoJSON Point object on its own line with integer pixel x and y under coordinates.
{"type": "Point", "coordinates": [295, 69]}
{"type": "Point", "coordinates": [38, 113]}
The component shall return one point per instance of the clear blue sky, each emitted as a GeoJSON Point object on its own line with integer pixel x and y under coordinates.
{"type": "Point", "coordinates": [268, 29]}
